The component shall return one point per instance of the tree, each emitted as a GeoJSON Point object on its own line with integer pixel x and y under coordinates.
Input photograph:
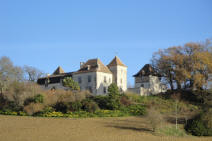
{"type": "Point", "coordinates": [9, 73]}
{"type": "Point", "coordinates": [113, 91]}
{"type": "Point", "coordinates": [185, 66]}
{"type": "Point", "coordinates": [32, 73]}
{"type": "Point", "coordinates": [114, 97]}
{"type": "Point", "coordinates": [70, 83]}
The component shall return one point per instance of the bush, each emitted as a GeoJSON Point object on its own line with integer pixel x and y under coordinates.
{"type": "Point", "coordinates": [171, 131]}
{"type": "Point", "coordinates": [125, 100]}
{"type": "Point", "coordinates": [33, 108]}
{"type": "Point", "coordinates": [102, 101]}
{"type": "Point", "coordinates": [75, 106]}
{"type": "Point", "coordinates": [137, 110]}
{"type": "Point", "coordinates": [155, 119]}
{"type": "Point", "coordinates": [61, 107]}
{"type": "Point", "coordinates": [113, 104]}
{"type": "Point", "coordinates": [90, 106]}
{"type": "Point", "coordinates": [200, 125]}
{"type": "Point", "coordinates": [36, 99]}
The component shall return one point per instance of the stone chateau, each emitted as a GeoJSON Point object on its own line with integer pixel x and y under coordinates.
{"type": "Point", "coordinates": [93, 75]}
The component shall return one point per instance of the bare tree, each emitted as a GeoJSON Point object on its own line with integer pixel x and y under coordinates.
{"type": "Point", "coordinates": [9, 72]}
{"type": "Point", "coordinates": [32, 73]}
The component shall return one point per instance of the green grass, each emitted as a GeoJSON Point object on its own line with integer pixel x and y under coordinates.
{"type": "Point", "coordinates": [172, 131]}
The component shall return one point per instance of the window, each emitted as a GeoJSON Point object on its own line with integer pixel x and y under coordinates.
{"type": "Point", "coordinates": [79, 80]}
{"type": "Point", "coordinates": [46, 82]}
{"type": "Point", "coordinates": [142, 85]}
{"type": "Point", "coordinates": [121, 80]}
{"type": "Point", "coordinates": [109, 80]}
{"type": "Point", "coordinates": [90, 89]}
{"type": "Point", "coordinates": [89, 78]}
{"type": "Point", "coordinates": [104, 90]}
{"type": "Point", "coordinates": [105, 79]}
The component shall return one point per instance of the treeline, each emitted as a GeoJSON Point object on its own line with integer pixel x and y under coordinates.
{"type": "Point", "coordinates": [185, 67]}
{"type": "Point", "coordinates": [10, 73]}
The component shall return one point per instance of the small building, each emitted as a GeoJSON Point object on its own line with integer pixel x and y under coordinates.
{"type": "Point", "coordinates": [147, 82]}
{"type": "Point", "coordinates": [54, 81]}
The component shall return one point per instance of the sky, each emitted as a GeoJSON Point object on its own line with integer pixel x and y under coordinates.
{"type": "Point", "coordinates": [49, 33]}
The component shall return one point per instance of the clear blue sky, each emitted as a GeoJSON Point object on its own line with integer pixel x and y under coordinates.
{"type": "Point", "coordinates": [49, 33]}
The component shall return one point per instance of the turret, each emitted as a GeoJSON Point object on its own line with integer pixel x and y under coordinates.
{"type": "Point", "coordinates": [119, 71]}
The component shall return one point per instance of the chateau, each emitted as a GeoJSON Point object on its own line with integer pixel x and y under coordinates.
{"type": "Point", "coordinates": [93, 75]}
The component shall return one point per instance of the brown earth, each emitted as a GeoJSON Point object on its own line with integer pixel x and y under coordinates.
{"type": "Point", "coordinates": [14, 128]}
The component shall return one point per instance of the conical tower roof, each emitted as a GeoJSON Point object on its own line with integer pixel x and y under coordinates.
{"type": "Point", "coordinates": [59, 70]}
{"type": "Point", "coordinates": [116, 62]}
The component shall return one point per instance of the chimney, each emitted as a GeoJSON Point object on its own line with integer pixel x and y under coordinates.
{"type": "Point", "coordinates": [88, 67]}
{"type": "Point", "coordinates": [81, 64]}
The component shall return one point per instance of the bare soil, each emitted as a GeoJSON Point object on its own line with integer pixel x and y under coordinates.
{"type": "Point", "coordinates": [16, 128]}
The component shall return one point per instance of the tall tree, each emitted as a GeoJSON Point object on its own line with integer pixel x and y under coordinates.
{"type": "Point", "coordinates": [186, 66]}
{"type": "Point", "coordinates": [9, 72]}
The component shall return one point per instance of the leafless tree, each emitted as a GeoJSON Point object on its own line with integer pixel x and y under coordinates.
{"type": "Point", "coordinates": [32, 73]}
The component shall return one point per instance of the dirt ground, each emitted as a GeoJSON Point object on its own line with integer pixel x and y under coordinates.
{"type": "Point", "coordinates": [14, 128]}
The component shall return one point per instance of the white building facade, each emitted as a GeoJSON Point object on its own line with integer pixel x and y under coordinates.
{"type": "Point", "coordinates": [93, 75]}
{"type": "Point", "coordinates": [147, 82]}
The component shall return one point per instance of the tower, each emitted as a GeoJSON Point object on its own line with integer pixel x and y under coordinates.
{"type": "Point", "coordinates": [119, 71]}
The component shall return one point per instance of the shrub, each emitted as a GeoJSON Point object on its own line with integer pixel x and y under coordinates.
{"type": "Point", "coordinates": [61, 107]}
{"type": "Point", "coordinates": [125, 101]}
{"type": "Point", "coordinates": [155, 119]}
{"type": "Point", "coordinates": [113, 104]}
{"type": "Point", "coordinates": [201, 125]}
{"type": "Point", "coordinates": [102, 101]}
{"type": "Point", "coordinates": [90, 106]}
{"type": "Point", "coordinates": [75, 106]}
{"type": "Point", "coordinates": [33, 108]}
{"type": "Point", "coordinates": [19, 91]}
{"type": "Point", "coordinates": [171, 131]}
{"type": "Point", "coordinates": [137, 110]}
{"type": "Point", "coordinates": [39, 98]}
{"type": "Point", "coordinates": [36, 99]}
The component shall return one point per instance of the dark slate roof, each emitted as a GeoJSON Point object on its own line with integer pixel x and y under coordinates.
{"type": "Point", "coordinates": [146, 71]}
{"type": "Point", "coordinates": [93, 65]}
{"type": "Point", "coordinates": [54, 78]}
